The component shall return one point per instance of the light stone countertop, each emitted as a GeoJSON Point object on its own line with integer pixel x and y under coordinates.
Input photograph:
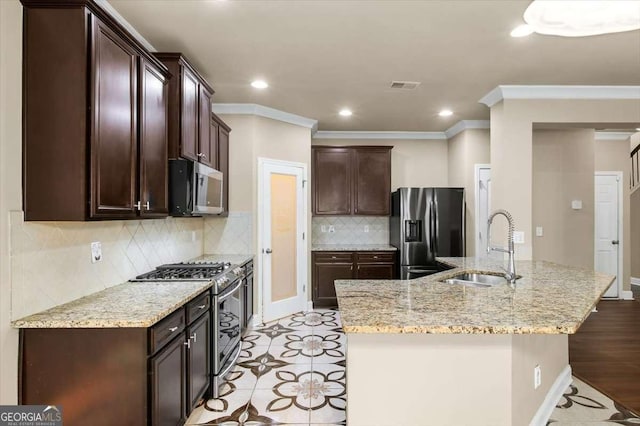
{"type": "Point", "coordinates": [130, 304]}
{"type": "Point", "coordinates": [548, 299]}
{"type": "Point", "coordinates": [352, 247]}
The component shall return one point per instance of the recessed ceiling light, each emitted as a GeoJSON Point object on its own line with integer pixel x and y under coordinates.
{"type": "Point", "coordinates": [638, 129]}
{"type": "Point", "coordinates": [582, 18]}
{"type": "Point", "coordinates": [345, 112]}
{"type": "Point", "coordinates": [259, 84]}
{"type": "Point", "coordinates": [522, 31]}
{"type": "Point", "coordinates": [445, 113]}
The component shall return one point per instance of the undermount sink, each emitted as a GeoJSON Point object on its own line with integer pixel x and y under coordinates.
{"type": "Point", "coordinates": [477, 280]}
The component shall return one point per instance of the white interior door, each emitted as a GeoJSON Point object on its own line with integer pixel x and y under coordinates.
{"type": "Point", "coordinates": [607, 232]}
{"type": "Point", "coordinates": [283, 250]}
{"type": "Point", "coordinates": [483, 207]}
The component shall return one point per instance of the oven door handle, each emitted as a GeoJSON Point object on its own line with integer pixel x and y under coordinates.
{"type": "Point", "coordinates": [230, 292]}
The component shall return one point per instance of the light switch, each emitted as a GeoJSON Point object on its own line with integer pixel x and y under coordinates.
{"type": "Point", "coordinates": [331, 228]}
{"type": "Point", "coordinates": [539, 232]}
{"type": "Point", "coordinates": [96, 252]}
{"type": "Point", "coordinates": [576, 204]}
{"type": "Point", "coordinates": [518, 237]}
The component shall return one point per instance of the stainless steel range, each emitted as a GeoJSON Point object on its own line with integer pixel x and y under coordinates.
{"type": "Point", "coordinates": [227, 308]}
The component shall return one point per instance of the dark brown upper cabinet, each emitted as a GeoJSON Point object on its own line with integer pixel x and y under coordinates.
{"type": "Point", "coordinates": [222, 141]}
{"type": "Point", "coordinates": [353, 180]}
{"type": "Point", "coordinates": [85, 148]}
{"type": "Point", "coordinates": [189, 111]}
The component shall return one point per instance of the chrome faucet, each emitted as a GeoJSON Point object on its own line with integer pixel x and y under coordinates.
{"type": "Point", "coordinates": [510, 274]}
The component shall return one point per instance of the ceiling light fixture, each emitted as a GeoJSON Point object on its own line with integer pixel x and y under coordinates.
{"type": "Point", "coordinates": [522, 31]}
{"type": "Point", "coordinates": [345, 112]}
{"type": "Point", "coordinates": [259, 84]}
{"type": "Point", "coordinates": [445, 113]}
{"type": "Point", "coordinates": [638, 129]}
{"type": "Point", "coordinates": [571, 18]}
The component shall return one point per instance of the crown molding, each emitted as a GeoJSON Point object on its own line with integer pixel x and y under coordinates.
{"type": "Point", "coordinates": [330, 134]}
{"type": "Point", "coordinates": [263, 111]}
{"type": "Point", "coordinates": [613, 136]}
{"type": "Point", "coordinates": [559, 92]}
{"type": "Point", "coordinates": [114, 13]}
{"type": "Point", "coordinates": [466, 125]}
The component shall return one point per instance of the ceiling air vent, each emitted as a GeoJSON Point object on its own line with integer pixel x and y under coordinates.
{"type": "Point", "coordinates": [405, 85]}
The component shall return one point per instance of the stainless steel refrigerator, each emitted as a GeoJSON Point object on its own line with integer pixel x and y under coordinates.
{"type": "Point", "coordinates": [426, 223]}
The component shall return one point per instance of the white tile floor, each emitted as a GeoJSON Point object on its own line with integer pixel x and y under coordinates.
{"type": "Point", "coordinates": [292, 372]}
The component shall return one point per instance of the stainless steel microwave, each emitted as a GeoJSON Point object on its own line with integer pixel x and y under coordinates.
{"type": "Point", "coordinates": [194, 189]}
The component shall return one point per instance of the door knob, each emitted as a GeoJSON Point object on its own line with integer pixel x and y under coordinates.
{"type": "Point", "coordinates": [615, 242]}
{"type": "Point", "coordinates": [268, 251]}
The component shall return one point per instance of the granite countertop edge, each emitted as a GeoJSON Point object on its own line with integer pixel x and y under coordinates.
{"type": "Point", "coordinates": [103, 309]}
{"type": "Point", "coordinates": [358, 319]}
{"type": "Point", "coordinates": [352, 247]}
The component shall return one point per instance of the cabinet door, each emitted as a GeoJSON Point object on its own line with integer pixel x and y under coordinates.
{"type": "Point", "coordinates": [372, 181]}
{"type": "Point", "coordinates": [204, 133]}
{"type": "Point", "coordinates": [199, 355]}
{"type": "Point", "coordinates": [153, 142]}
{"type": "Point", "coordinates": [114, 143]}
{"type": "Point", "coordinates": [168, 385]}
{"type": "Point", "coordinates": [190, 112]}
{"type": "Point", "coordinates": [213, 143]}
{"type": "Point", "coordinates": [324, 275]}
{"type": "Point", "coordinates": [375, 271]}
{"type": "Point", "coordinates": [223, 163]}
{"type": "Point", "coordinates": [331, 174]}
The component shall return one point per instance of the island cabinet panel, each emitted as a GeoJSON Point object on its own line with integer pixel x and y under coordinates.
{"type": "Point", "coordinates": [153, 142]}
{"type": "Point", "coordinates": [372, 181]}
{"type": "Point", "coordinates": [81, 148]}
{"type": "Point", "coordinates": [352, 180]}
{"type": "Point", "coordinates": [344, 265]}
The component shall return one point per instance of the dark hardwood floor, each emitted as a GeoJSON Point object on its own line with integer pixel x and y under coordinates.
{"type": "Point", "coordinates": [605, 352]}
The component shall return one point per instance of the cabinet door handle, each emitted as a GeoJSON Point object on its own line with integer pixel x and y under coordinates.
{"type": "Point", "coordinates": [202, 307]}
{"type": "Point", "coordinates": [201, 155]}
{"type": "Point", "coordinates": [147, 205]}
{"type": "Point", "coordinates": [333, 257]}
{"type": "Point", "coordinates": [188, 343]}
{"type": "Point", "coordinates": [375, 257]}
{"type": "Point", "coordinates": [352, 267]}
{"type": "Point", "coordinates": [358, 267]}
{"type": "Point", "coordinates": [194, 336]}
{"type": "Point", "coordinates": [138, 205]}
{"type": "Point", "coordinates": [172, 329]}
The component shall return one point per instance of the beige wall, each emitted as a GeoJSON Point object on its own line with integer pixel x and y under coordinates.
{"type": "Point", "coordinates": [613, 156]}
{"type": "Point", "coordinates": [10, 182]}
{"type": "Point", "coordinates": [254, 137]}
{"type": "Point", "coordinates": [418, 163]}
{"type": "Point", "coordinates": [466, 149]}
{"type": "Point", "coordinates": [511, 148]}
{"type": "Point", "coordinates": [563, 170]}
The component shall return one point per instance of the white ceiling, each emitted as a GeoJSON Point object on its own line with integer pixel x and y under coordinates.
{"type": "Point", "coordinates": [319, 56]}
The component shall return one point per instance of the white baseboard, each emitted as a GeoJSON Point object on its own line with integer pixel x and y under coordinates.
{"type": "Point", "coordinates": [257, 320]}
{"type": "Point", "coordinates": [554, 395]}
{"type": "Point", "coordinates": [309, 306]}
{"type": "Point", "coordinates": [626, 295]}
{"type": "Point", "coordinates": [635, 281]}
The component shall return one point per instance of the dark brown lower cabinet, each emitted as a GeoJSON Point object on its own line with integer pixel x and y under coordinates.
{"type": "Point", "coordinates": [168, 384]}
{"type": "Point", "coordinates": [328, 267]}
{"type": "Point", "coordinates": [121, 376]}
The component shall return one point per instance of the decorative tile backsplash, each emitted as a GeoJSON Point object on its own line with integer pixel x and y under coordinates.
{"type": "Point", "coordinates": [51, 261]}
{"type": "Point", "coordinates": [350, 230]}
{"type": "Point", "coordinates": [229, 235]}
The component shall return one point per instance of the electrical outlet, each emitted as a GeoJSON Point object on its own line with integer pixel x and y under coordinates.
{"type": "Point", "coordinates": [332, 228]}
{"type": "Point", "coordinates": [366, 228]}
{"type": "Point", "coordinates": [518, 237]}
{"type": "Point", "coordinates": [96, 251]}
{"type": "Point", "coordinates": [539, 232]}
{"type": "Point", "coordinates": [323, 228]}
{"type": "Point", "coordinates": [537, 377]}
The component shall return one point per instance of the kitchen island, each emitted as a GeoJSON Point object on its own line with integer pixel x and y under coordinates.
{"type": "Point", "coordinates": [450, 354]}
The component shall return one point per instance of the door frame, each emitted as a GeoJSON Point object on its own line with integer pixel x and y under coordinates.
{"type": "Point", "coordinates": [620, 277]}
{"type": "Point", "coordinates": [476, 180]}
{"type": "Point", "coordinates": [303, 249]}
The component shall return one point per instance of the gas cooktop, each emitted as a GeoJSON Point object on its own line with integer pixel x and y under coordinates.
{"type": "Point", "coordinates": [186, 271]}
